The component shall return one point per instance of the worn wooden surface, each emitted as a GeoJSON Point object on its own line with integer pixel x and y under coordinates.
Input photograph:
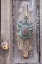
{"type": "Point", "coordinates": [17, 55]}
{"type": "Point", "coordinates": [41, 30]}
{"type": "Point", "coordinates": [5, 29]}
{"type": "Point", "coordinates": [14, 56]}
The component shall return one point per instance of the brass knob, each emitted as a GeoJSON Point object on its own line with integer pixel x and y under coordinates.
{"type": "Point", "coordinates": [4, 46]}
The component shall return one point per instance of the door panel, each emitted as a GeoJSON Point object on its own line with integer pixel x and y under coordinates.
{"type": "Point", "coordinates": [20, 51]}
{"type": "Point", "coordinates": [20, 32]}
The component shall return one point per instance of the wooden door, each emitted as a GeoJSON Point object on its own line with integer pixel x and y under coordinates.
{"type": "Point", "coordinates": [19, 50]}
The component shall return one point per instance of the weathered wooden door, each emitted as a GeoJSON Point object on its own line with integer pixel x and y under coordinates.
{"type": "Point", "coordinates": [25, 51]}
{"type": "Point", "coordinates": [22, 33]}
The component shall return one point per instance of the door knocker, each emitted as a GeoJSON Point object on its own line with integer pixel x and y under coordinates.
{"type": "Point", "coordinates": [25, 30]}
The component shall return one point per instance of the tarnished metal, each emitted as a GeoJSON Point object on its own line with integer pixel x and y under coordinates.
{"type": "Point", "coordinates": [25, 29]}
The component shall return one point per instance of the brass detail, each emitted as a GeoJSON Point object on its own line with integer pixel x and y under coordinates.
{"type": "Point", "coordinates": [4, 46]}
